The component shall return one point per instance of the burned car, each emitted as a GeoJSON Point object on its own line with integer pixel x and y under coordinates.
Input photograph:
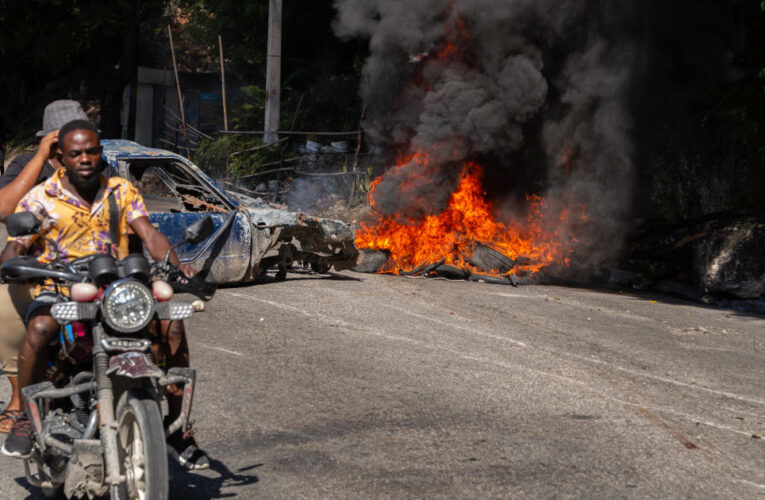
{"type": "Point", "coordinates": [250, 236]}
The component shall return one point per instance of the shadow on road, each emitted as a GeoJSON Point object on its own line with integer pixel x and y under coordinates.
{"type": "Point", "coordinates": [34, 493]}
{"type": "Point", "coordinates": [186, 484]}
{"type": "Point", "coordinates": [732, 307]}
{"type": "Point", "coordinates": [687, 295]}
{"type": "Point", "coordinates": [295, 275]}
{"type": "Point", "coordinates": [209, 483]}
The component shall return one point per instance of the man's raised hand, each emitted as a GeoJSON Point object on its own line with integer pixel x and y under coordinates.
{"type": "Point", "coordinates": [48, 145]}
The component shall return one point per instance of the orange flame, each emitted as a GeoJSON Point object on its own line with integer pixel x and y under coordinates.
{"type": "Point", "coordinates": [468, 218]}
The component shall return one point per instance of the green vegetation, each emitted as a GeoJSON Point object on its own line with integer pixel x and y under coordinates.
{"type": "Point", "coordinates": [84, 49]}
{"type": "Point", "coordinates": [89, 50]}
{"type": "Point", "coordinates": [228, 156]}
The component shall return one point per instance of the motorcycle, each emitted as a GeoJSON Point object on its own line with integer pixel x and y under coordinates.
{"type": "Point", "coordinates": [97, 417]}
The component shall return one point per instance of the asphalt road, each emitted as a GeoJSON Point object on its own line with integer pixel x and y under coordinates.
{"type": "Point", "coordinates": [359, 386]}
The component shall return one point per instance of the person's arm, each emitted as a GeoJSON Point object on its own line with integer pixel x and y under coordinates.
{"type": "Point", "coordinates": [157, 244]}
{"type": "Point", "coordinates": [136, 216]}
{"type": "Point", "coordinates": [12, 249]}
{"type": "Point", "coordinates": [18, 245]}
{"type": "Point", "coordinates": [11, 194]}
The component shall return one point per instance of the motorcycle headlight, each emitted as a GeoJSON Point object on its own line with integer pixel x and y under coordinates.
{"type": "Point", "coordinates": [127, 306]}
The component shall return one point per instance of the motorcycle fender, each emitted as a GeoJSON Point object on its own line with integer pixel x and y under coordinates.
{"type": "Point", "coordinates": [133, 364]}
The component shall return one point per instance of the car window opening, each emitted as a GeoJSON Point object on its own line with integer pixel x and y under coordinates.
{"type": "Point", "coordinates": [167, 186]}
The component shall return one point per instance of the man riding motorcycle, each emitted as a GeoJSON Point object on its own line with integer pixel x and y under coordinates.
{"type": "Point", "coordinates": [75, 206]}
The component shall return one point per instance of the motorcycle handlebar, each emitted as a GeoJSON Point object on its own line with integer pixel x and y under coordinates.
{"type": "Point", "coordinates": [200, 285]}
{"type": "Point", "coordinates": [28, 268]}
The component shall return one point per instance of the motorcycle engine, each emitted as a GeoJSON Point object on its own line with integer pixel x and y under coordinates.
{"type": "Point", "coordinates": [57, 425]}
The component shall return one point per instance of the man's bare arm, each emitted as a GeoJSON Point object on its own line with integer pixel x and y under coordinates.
{"type": "Point", "coordinates": [11, 194]}
{"type": "Point", "coordinates": [12, 249]}
{"type": "Point", "coordinates": [157, 243]}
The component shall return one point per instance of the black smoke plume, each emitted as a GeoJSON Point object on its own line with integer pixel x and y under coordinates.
{"type": "Point", "coordinates": [545, 94]}
{"type": "Point", "coordinates": [535, 91]}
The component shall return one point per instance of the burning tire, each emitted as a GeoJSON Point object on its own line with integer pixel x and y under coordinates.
{"type": "Point", "coordinates": [487, 259]}
{"type": "Point", "coordinates": [371, 261]}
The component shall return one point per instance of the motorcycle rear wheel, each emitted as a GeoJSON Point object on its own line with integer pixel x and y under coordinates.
{"type": "Point", "coordinates": [142, 448]}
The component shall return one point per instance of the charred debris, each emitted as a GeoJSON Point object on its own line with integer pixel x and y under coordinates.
{"type": "Point", "coordinates": [731, 240]}
{"type": "Point", "coordinates": [485, 265]}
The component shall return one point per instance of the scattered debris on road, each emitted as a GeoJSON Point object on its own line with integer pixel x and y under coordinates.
{"type": "Point", "coordinates": [485, 265]}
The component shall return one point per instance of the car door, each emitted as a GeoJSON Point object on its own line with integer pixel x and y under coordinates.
{"type": "Point", "coordinates": [176, 196]}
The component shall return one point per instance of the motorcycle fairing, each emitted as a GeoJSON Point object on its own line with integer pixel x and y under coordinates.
{"type": "Point", "coordinates": [133, 364]}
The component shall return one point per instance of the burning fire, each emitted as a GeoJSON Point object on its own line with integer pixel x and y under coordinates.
{"type": "Point", "coordinates": [450, 237]}
{"type": "Point", "coordinates": [468, 219]}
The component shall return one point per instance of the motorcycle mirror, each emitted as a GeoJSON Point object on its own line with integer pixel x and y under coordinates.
{"type": "Point", "coordinates": [22, 224]}
{"type": "Point", "coordinates": [198, 231]}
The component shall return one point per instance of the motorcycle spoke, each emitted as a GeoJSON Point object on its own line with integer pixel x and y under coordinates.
{"type": "Point", "coordinates": [134, 458]}
{"type": "Point", "coordinates": [139, 462]}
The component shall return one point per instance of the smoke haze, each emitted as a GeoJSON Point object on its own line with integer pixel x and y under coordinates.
{"type": "Point", "coordinates": [535, 91]}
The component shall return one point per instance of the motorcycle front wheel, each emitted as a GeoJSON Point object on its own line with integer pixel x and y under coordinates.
{"type": "Point", "coordinates": [56, 493]}
{"type": "Point", "coordinates": [142, 449]}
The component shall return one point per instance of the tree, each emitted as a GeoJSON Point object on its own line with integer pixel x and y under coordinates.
{"type": "Point", "coordinates": [90, 49]}
{"type": "Point", "coordinates": [315, 63]}
{"type": "Point", "coordinates": [69, 48]}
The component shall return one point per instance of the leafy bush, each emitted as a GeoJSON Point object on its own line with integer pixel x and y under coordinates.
{"type": "Point", "coordinates": [227, 155]}
{"type": "Point", "coordinates": [248, 111]}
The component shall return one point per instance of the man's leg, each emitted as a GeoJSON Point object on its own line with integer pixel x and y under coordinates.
{"type": "Point", "coordinates": [32, 355]}
{"type": "Point", "coordinates": [32, 361]}
{"type": "Point", "coordinates": [175, 353]}
{"type": "Point", "coordinates": [14, 301]}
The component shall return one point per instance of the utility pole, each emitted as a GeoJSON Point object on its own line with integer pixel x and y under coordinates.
{"type": "Point", "coordinates": [223, 84]}
{"type": "Point", "coordinates": [273, 71]}
{"type": "Point", "coordinates": [180, 95]}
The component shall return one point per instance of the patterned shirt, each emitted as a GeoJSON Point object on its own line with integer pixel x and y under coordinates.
{"type": "Point", "coordinates": [75, 229]}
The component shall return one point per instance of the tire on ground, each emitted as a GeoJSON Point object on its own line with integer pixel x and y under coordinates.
{"type": "Point", "coordinates": [371, 261]}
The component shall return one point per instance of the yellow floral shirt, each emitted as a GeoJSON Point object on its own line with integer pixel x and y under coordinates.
{"type": "Point", "coordinates": [75, 229]}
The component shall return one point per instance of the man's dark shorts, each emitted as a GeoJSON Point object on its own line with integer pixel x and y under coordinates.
{"type": "Point", "coordinates": [45, 299]}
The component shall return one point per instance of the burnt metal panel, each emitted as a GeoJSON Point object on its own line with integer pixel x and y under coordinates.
{"type": "Point", "coordinates": [233, 258]}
